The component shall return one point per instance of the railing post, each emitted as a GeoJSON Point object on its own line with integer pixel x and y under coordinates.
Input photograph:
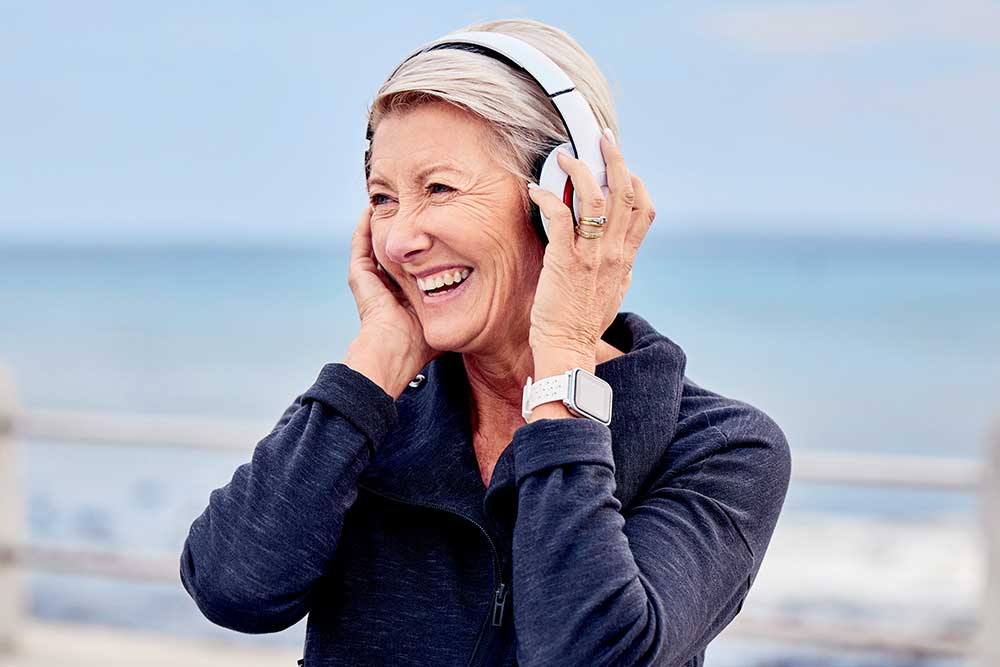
{"type": "Point", "coordinates": [989, 631]}
{"type": "Point", "coordinates": [10, 519]}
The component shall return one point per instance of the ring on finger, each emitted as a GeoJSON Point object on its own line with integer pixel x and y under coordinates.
{"type": "Point", "coordinates": [589, 235]}
{"type": "Point", "coordinates": [598, 221]}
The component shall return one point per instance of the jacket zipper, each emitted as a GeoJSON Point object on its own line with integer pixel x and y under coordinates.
{"type": "Point", "coordinates": [500, 590]}
{"type": "Point", "coordinates": [499, 600]}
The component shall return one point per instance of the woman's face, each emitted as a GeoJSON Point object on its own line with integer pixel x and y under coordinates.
{"type": "Point", "coordinates": [440, 201]}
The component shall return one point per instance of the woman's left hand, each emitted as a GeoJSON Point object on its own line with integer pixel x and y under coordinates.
{"type": "Point", "coordinates": [583, 281]}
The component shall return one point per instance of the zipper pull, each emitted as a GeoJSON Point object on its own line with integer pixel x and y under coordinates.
{"type": "Point", "coordinates": [499, 600]}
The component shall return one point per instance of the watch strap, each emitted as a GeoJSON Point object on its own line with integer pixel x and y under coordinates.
{"type": "Point", "coordinates": [554, 388]}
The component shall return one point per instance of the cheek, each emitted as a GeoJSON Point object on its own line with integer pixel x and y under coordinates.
{"type": "Point", "coordinates": [496, 239]}
{"type": "Point", "coordinates": [468, 227]}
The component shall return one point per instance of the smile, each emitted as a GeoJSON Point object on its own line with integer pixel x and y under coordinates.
{"type": "Point", "coordinates": [443, 291]}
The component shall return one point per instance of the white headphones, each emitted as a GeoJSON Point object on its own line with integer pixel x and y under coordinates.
{"type": "Point", "coordinates": [581, 124]}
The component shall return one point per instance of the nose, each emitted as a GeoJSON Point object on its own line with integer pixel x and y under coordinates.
{"type": "Point", "coordinates": [406, 237]}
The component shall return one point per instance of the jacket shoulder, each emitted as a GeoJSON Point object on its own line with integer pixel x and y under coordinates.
{"type": "Point", "coordinates": [730, 418]}
{"type": "Point", "coordinates": [733, 452]}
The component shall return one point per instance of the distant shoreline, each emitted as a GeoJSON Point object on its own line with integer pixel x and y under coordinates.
{"type": "Point", "coordinates": [829, 240]}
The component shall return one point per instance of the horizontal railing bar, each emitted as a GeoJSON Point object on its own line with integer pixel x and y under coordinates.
{"type": "Point", "coordinates": [808, 466]}
{"type": "Point", "coordinates": [789, 630]}
{"type": "Point", "coordinates": [819, 631]}
{"type": "Point", "coordinates": [933, 472]}
{"type": "Point", "coordinates": [78, 427]}
{"type": "Point", "coordinates": [89, 562]}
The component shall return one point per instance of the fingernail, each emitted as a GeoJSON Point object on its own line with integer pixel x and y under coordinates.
{"type": "Point", "coordinates": [532, 186]}
{"type": "Point", "coordinates": [610, 135]}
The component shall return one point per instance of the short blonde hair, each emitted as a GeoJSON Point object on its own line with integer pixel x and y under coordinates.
{"type": "Point", "coordinates": [523, 124]}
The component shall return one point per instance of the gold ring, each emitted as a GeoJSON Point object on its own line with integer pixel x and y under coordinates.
{"type": "Point", "coordinates": [599, 221]}
{"type": "Point", "coordinates": [589, 235]}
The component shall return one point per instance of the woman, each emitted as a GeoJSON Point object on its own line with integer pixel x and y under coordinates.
{"type": "Point", "coordinates": [409, 501]}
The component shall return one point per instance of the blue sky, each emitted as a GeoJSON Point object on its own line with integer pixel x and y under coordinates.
{"type": "Point", "coordinates": [142, 121]}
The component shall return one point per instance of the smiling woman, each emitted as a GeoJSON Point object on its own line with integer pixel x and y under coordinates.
{"type": "Point", "coordinates": [504, 469]}
{"type": "Point", "coordinates": [428, 220]}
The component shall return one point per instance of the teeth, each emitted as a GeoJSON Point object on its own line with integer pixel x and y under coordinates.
{"type": "Point", "coordinates": [457, 276]}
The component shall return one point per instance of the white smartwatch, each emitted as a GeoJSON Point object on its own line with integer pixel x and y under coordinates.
{"type": "Point", "coordinates": [583, 393]}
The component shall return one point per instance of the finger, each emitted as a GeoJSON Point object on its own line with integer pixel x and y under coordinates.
{"type": "Point", "coordinates": [361, 263]}
{"type": "Point", "coordinates": [560, 231]}
{"type": "Point", "coordinates": [361, 242]}
{"type": "Point", "coordinates": [364, 262]}
{"type": "Point", "coordinates": [592, 201]}
{"type": "Point", "coordinates": [642, 218]}
{"type": "Point", "coordinates": [621, 194]}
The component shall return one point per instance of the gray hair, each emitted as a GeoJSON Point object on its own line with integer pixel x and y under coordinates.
{"type": "Point", "coordinates": [523, 124]}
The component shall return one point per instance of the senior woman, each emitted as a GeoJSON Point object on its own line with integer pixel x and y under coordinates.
{"type": "Point", "coordinates": [410, 501]}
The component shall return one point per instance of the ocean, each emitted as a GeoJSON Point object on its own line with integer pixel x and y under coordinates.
{"type": "Point", "coordinates": [850, 344]}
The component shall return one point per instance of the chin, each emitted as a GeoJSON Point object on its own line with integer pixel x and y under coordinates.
{"type": "Point", "coordinates": [443, 337]}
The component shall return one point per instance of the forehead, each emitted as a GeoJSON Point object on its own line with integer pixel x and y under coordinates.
{"type": "Point", "coordinates": [435, 132]}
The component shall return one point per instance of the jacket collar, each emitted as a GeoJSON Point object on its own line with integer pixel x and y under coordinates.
{"type": "Point", "coordinates": [428, 458]}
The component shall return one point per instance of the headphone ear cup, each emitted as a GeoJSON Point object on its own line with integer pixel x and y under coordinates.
{"type": "Point", "coordinates": [555, 180]}
{"type": "Point", "coordinates": [535, 213]}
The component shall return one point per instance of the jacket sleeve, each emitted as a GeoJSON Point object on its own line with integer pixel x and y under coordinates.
{"type": "Point", "coordinates": [653, 584]}
{"type": "Point", "coordinates": [252, 558]}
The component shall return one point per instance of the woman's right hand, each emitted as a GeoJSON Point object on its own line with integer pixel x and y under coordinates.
{"type": "Point", "coordinates": [390, 347]}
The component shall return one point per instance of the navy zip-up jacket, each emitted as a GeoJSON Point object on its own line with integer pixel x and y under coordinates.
{"type": "Point", "coordinates": [629, 544]}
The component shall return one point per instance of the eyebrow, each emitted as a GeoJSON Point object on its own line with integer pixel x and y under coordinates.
{"type": "Point", "coordinates": [421, 175]}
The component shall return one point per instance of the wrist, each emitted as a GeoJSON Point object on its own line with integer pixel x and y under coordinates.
{"type": "Point", "coordinates": [548, 363]}
{"type": "Point", "coordinates": [550, 410]}
{"type": "Point", "coordinates": [376, 365]}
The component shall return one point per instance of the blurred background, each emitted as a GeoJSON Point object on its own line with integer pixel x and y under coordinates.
{"type": "Point", "coordinates": [178, 186]}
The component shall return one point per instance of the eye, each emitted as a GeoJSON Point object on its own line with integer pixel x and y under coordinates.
{"type": "Point", "coordinates": [432, 188]}
{"type": "Point", "coordinates": [379, 198]}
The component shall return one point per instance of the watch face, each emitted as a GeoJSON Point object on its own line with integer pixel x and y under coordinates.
{"type": "Point", "coordinates": [592, 396]}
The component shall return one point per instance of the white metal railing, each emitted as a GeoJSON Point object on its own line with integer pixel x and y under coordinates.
{"type": "Point", "coordinates": [239, 435]}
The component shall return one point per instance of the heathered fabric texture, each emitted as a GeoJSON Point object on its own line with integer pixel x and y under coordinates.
{"type": "Point", "coordinates": [629, 544]}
